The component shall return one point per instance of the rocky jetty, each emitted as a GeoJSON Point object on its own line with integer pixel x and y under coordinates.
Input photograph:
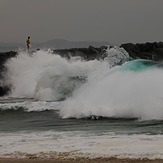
{"type": "Point", "coordinates": [151, 51]}
{"type": "Point", "coordinates": [89, 53]}
{"type": "Point", "coordinates": [3, 58]}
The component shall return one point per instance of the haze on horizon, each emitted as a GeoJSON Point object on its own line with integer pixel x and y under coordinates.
{"type": "Point", "coordinates": [116, 21]}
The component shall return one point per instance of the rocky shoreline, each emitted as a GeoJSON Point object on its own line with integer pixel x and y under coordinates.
{"type": "Point", "coordinates": [151, 51]}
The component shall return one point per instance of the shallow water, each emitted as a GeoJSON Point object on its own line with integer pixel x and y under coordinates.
{"type": "Point", "coordinates": [44, 116]}
{"type": "Point", "coordinates": [32, 127]}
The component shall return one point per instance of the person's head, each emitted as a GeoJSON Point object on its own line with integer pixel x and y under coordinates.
{"type": "Point", "coordinates": [28, 37]}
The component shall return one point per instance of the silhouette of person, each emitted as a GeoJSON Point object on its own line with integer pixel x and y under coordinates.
{"type": "Point", "coordinates": [28, 42]}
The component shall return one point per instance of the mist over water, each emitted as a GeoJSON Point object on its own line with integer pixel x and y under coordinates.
{"type": "Point", "coordinates": [44, 76]}
{"type": "Point", "coordinates": [88, 87]}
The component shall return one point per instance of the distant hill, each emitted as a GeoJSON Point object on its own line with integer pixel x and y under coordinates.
{"type": "Point", "coordinates": [53, 44]}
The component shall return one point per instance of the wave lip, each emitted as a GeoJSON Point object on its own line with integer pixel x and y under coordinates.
{"type": "Point", "coordinates": [29, 106]}
{"type": "Point", "coordinates": [141, 65]}
{"type": "Point", "coordinates": [121, 91]}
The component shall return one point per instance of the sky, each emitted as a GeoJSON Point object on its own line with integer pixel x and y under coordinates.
{"type": "Point", "coordinates": [116, 21]}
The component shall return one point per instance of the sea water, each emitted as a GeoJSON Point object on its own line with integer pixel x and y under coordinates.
{"type": "Point", "coordinates": [97, 108]}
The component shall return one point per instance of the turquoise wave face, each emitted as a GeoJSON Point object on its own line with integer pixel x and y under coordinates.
{"type": "Point", "coordinates": [140, 65]}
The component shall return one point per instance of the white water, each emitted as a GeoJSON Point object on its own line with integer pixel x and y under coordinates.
{"type": "Point", "coordinates": [107, 92]}
{"type": "Point", "coordinates": [41, 75]}
{"type": "Point", "coordinates": [119, 94]}
{"type": "Point", "coordinates": [79, 144]}
{"type": "Point", "coordinates": [30, 105]}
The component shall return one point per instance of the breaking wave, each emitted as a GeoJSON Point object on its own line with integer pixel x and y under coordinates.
{"type": "Point", "coordinates": [114, 87]}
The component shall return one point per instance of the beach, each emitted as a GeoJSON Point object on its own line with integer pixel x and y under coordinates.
{"type": "Point", "coordinates": [97, 160]}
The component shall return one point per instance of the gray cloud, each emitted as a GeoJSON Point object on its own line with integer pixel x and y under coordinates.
{"type": "Point", "coordinates": [117, 21]}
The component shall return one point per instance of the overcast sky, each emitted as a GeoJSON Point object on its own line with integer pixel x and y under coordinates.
{"type": "Point", "coordinates": [116, 21]}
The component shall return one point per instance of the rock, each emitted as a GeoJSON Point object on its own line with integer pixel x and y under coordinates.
{"type": "Point", "coordinates": [151, 51]}
{"type": "Point", "coordinates": [3, 58]}
{"type": "Point", "coordinates": [89, 53]}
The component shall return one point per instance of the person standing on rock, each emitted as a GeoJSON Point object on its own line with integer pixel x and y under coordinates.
{"type": "Point", "coordinates": [28, 43]}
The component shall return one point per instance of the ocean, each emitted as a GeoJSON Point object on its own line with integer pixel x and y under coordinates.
{"type": "Point", "coordinates": [77, 108]}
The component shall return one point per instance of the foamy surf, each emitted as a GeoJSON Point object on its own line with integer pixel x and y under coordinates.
{"type": "Point", "coordinates": [68, 145]}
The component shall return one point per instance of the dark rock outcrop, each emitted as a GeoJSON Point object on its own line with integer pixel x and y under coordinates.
{"type": "Point", "coordinates": [151, 51]}
{"type": "Point", "coordinates": [89, 53]}
{"type": "Point", "coordinates": [3, 58]}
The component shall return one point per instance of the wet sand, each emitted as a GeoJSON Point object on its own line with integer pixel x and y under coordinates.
{"type": "Point", "coordinates": [97, 160]}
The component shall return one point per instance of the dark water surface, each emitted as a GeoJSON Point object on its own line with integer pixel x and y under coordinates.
{"type": "Point", "coordinates": [20, 120]}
